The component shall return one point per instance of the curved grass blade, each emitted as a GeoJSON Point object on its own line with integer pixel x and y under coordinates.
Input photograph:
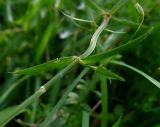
{"type": "Point", "coordinates": [4, 115]}
{"type": "Point", "coordinates": [152, 80]}
{"type": "Point", "coordinates": [141, 12]}
{"type": "Point", "coordinates": [95, 37]}
{"type": "Point", "coordinates": [56, 63]}
{"type": "Point", "coordinates": [116, 32]}
{"type": "Point", "coordinates": [107, 73]}
{"type": "Point", "coordinates": [117, 124]}
{"type": "Point", "coordinates": [77, 19]}
{"type": "Point", "coordinates": [130, 44]}
{"type": "Point", "coordinates": [127, 22]}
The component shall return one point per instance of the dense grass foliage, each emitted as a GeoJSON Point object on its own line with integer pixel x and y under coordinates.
{"type": "Point", "coordinates": [79, 63]}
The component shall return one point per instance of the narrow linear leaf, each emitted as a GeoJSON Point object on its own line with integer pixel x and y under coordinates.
{"type": "Point", "coordinates": [122, 48]}
{"type": "Point", "coordinates": [4, 96]}
{"type": "Point", "coordinates": [77, 19]}
{"type": "Point", "coordinates": [62, 100]}
{"type": "Point", "coordinates": [117, 124]}
{"type": "Point", "coordinates": [127, 22]}
{"type": "Point", "coordinates": [38, 93]}
{"type": "Point", "coordinates": [45, 39]}
{"type": "Point", "coordinates": [109, 74]}
{"type": "Point", "coordinates": [141, 12]}
{"type": "Point", "coordinates": [118, 5]}
{"type": "Point", "coordinates": [152, 80]}
{"type": "Point", "coordinates": [85, 119]}
{"type": "Point", "coordinates": [5, 115]}
{"type": "Point", "coordinates": [116, 32]}
{"type": "Point", "coordinates": [104, 99]}
{"type": "Point", "coordinates": [93, 5]}
{"type": "Point", "coordinates": [56, 63]}
{"type": "Point", "coordinates": [32, 12]}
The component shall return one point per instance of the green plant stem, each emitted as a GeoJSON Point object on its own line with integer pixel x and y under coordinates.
{"type": "Point", "coordinates": [60, 103]}
{"type": "Point", "coordinates": [104, 91]}
{"type": "Point", "coordinates": [85, 119]}
{"type": "Point", "coordinates": [49, 84]}
{"type": "Point", "coordinates": [140, 10]}
{"type": "Point", "coordinates": [95, 37]}
{"type": "Point", "coordinates": [35, 104]}
{"type": "Point", "coordinates": [40, 92]}
{"type": "Point", "coordinates": [61, 74]}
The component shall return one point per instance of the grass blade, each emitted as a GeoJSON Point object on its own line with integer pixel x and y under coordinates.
{"type": "Point", "coordinates": [93, 5]}
{"type": "Point", "coordinates": [4, 115]}
{"type": "Point", "coordinates": [95, 37]}
{"type": "Point", "coordinates": [38, 93]}
{"type": "Point", "coordinates": [152, 80]}
{"type": "Point", "coordinates": [130, 44]}
{"type": "Point", "coordinates": [117, 124]}
{"type": "Point", "coordinates": [107, 73]}
{"type": "Point", "coordinates": [118, 5]}
{"type": "Point", "coordinates": [104, 98]}
{"type": "Point", "coordinates": [56, 63]}
{"type": "Point", "coordinates": [60, 103]}
{"type": "Point", "coordinates": [45, 39]}
{"type": "Point", "coordinates": [76, 19]}
{"type": "Point", "coordinates": [11, 89]}
{"type": "Point", "coordinates": [85, 119]}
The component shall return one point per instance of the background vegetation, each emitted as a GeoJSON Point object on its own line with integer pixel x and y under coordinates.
{"type": "Point", "coordinates": [91, 95]}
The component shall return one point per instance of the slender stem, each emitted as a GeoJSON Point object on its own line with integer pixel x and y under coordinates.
{"type": "Point", "coordinates": [104, 91]}
{"type": "Point", "coordinates": [85, 119]}
{"type": "Point", "coordinates": [40, 91]}
{"type": "Point", "coordinates": [95, 37]}
{"type": "Point", "coordinates": [60, 103]}
{"type": "Point", "coordinates": [36, 102]}
{"type": "Point", "coordinates": [51, 82]}
{"type": "Point", "coordinates": [60, 74]}
{"type": "Point", "coordinates": [140, 10]}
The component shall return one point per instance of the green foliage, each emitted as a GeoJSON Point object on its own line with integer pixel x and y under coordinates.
{"type": "Point", "coordinates": [57, 63]}
{"type": "Point", "coordinates": [5, 115]}
{"type": "Point", "coordinates": [72, 55]}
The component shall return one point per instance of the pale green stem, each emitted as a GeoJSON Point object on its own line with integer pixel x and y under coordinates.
{"type": "Point", "coordinates": [95, 37]}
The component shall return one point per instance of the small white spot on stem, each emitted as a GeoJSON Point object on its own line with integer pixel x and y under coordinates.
{"type": "Point", "coordinates": [42, 89]}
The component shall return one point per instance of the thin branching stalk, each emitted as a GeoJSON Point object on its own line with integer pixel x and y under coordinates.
{"type": "Point", "coordinates": [51, 82]}
{"type": "Point", "coordinates": [141, 12]}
